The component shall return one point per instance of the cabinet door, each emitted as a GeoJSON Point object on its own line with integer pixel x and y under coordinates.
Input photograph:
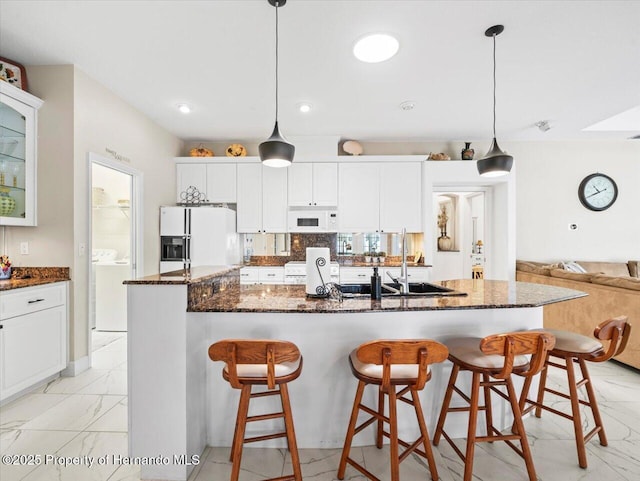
{"type": "Point", "coordinates": [355, 275]}
{"type": "Point", "coordinates": [325, 184]}
{"type": "Point", "coordinates": [32, 347]}
{"type": "Point", "coordinates": [17, 160]}
{"type": "Point", "coordinates": [188, 175]}
{"type": "Point", "coordinates": [300, 184]}
{"type": "Point", "coordinates": [271, 275]}
{"type": "Point", "coordinates": [249, 275]}
{"type": "Point", "coordinates": [249, 208]}
{"type": "Point", "coordinates": [221, 183]}
{"type": "Point", "coordinates": [358, 197]}
{"type": "Point", "coordinates": [401, 196]}
{"type": "Point", "coordinates": [274, 199]}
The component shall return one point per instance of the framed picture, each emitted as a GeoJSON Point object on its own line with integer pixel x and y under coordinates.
{"type": "Point", "coordinates": [13, 73]}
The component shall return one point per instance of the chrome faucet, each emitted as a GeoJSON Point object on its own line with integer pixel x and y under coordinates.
{"type": "Point", "coordinates": [403, 279]}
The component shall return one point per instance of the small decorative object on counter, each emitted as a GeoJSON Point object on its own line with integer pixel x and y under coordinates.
{"type": "Point", "coordinates": [192, 196]}
{"type": "Point", "coordinates": [382, 257]}
{"type": "Point", "coordinates": [7, 203]}
{"type": "Point", "coordinates": [376, 285]}
{"type": "Point", "coordinates": [201, 151]}
{"type": "Point", "coordinates": [352, 147]}
{"type": "Point", "coordinates": [367, 256]}
{"type": "Point", "coordinates": [438, 156]}
{"type": "Point", "coordinates": [5, 267]}
{"type": "Point", "coordinates": [236, 150]}
{"type": "Point", "coordinates": [467, 152]}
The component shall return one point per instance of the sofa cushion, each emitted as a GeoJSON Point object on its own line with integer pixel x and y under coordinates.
{"type": "Point", "coordinates": [617, 281]}
{"type": "Point", "coordinates": [536, 267]}
{"type": "Point", "coordinates": [608, 268]}
{"type": "Point", "coordinates": [572, 267]}
{"type": "Point", "coordinates": [574, 276]}
{"type": "Point", "coordinates": [634, 268]}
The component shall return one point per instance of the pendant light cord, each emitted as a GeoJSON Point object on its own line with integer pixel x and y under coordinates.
{"type": "Point", "coordinates": [278, 6]}
{"type": "Point", "coordinates": [494, 86]}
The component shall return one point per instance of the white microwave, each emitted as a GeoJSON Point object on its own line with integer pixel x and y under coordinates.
{"type": "Point", "coordinates": [305, 220]}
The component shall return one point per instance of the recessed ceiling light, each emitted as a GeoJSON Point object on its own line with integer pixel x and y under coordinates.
{"type": "Point", "coordinates": [376, 47]}
{"type": "Point", "coordinates": [184, 108]}
{"type": "Point", "coordinates": [407, 105]}
{"type": "Point", "coordinates": [304, 107]}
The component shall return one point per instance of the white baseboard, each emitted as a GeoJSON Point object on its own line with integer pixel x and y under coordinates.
{"type": "Point", "coordinates": [76, 367]}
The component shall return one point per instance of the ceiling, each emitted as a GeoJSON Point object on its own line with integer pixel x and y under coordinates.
{"type": "Point", "coordinates": [573, 63]}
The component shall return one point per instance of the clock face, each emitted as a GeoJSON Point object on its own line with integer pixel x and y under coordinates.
{"type": "Point", "coordinates": [597, 192]}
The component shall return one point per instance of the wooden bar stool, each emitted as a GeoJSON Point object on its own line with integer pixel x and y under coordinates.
{"type": "Point", "coordinates": [576, 348]}
{"type": "Point", "coordinates": [263, 362]}
{"type": "Point", "coordinates": [493, 358]}
{"type": "Point", "coordinates": [387, 364]}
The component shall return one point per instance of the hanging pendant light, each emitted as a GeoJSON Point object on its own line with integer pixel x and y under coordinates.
{"type": "Point", "coordinates": [276, 151]}
{"type": "Point", "coordinates": [495, 162]}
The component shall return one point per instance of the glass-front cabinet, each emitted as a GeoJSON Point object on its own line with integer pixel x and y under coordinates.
{"type": "Point", "coordinates": [18, 156]}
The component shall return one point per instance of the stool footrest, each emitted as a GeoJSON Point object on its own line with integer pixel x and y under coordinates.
{"type": "Point", "coordinates": [264, 417]}
{"type": "Point", "coordinates": [265, 437]}
{"type": "Point", "coordinates": [368, 474]}
{"type": "Point", "coordinates": [592, 433]}
{"type": "Point", "coordinates": [273, 392]}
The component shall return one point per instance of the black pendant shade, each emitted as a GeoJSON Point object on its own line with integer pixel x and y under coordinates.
{"type": "Point", "coordinates": [495, 162]}
{"type": "Point", "coordinates": [276, 151]}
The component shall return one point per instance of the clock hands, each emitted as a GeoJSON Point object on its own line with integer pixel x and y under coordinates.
{"type": "Point", "coordinates": [597, 192]}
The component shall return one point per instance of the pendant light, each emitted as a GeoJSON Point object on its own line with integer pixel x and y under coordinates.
{"type": "Point", "coordinates": [495, 162]}
{"type": "Point", "coordinates": [276, 151]}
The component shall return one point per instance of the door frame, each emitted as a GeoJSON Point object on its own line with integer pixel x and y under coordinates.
{"type": "Point", "coordinates": [136, 220]}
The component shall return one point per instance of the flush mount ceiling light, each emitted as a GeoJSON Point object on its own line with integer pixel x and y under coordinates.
{"type": "Point", "coordinates": [184, 108]}
{"type": "Point", "coordinates": [376, 47]}
{"type": "Point", "coordinates": [407, 105]}
{"type": "Point", "coordinates": [495, 162]}
{"type": "Point", "coordinates": [276, 151]}
{"type": "Point", "coordinates": [304, 107]}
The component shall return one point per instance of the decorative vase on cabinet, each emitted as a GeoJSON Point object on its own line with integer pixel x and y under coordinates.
{"type": "Point", "coordinates": [467, 152]}
{"type": "Point", "coordinates": [18, 156]}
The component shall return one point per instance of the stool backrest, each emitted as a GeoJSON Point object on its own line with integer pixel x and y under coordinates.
{"type": "Point", "coordinates": [253, 351]}
{"type": "Point", "coordinates": [616, 330]}
{"type": "Point", "coordinates": [386, 352]}
{"type": "Point", "coordinates": [512, 344]}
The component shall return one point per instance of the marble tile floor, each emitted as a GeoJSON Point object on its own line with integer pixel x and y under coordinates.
{"type": "Point", "coordinates": [87, 415]}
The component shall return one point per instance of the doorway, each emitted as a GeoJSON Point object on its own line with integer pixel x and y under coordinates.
{"type": "Point", "coordinates": [114, 242]}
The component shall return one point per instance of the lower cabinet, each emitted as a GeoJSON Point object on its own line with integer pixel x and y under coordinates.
{"type": "Point", "coordinates": [33, 336]}
{"type": "Point", "coordinates": [362, 275]}
{"type": "Point", "coordinates": [262, 275]}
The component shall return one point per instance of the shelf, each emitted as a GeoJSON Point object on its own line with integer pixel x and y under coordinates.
{"type": "Point", "coordinates": [114, 206]}
{"type": "Point", "coordinates": [21, 189]}
{"type": "Point", "coordinates": [6, 132]}
{"type": "Point", "coordinates": [11, 158]}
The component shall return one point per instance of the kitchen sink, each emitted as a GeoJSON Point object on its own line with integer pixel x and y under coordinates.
{"type": "Point", "coordinates": [418, 289]}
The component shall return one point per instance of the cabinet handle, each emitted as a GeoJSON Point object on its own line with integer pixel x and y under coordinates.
{"type": "Point", "coordinates": [35, 300]}
{"type": "Point", "coordinates": [271, 275]}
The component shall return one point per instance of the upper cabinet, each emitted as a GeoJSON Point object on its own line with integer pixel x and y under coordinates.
{"type": "Point", "coordinates": [18, 156]}
{"type": "Point", "coordinates": [380, 197]}
{"type": "Point", "coordinates": [313, 184]}
{"type": "Point", "coordinates": [262, 199]}
{"type": "Point", "coordinates": [216, 181]}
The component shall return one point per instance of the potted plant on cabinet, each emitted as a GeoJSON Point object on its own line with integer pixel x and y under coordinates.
{"type": "Point", "coordinates": [381, 256]}
{"type": "Point", "coordinates": [367, 256]}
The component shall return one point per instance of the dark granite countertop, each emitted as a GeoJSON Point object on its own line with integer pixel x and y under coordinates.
{"type": "Point", "coordinates": [481, 294]}
{"type": "Point", "coordinates": [191, 276]}
{"type": "Point", "coordinates": [34, 276]}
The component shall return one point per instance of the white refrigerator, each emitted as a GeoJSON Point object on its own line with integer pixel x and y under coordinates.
{"type": "Point", "coordinates": [197, 236]}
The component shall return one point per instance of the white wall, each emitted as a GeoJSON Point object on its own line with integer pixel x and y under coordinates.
{"type": "Point", "coordinates": [547, 201]}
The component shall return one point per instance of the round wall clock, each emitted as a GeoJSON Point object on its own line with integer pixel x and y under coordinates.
{"type": "Point", "coordinates": [597, 192]}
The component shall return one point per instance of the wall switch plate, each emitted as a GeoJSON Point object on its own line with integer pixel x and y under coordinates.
{"type": "Point", "coordinates": [82, 247]}
{"type": "Point", "coordinates": [24, 248]}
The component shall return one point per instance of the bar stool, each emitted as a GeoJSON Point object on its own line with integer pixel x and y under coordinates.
{"type": "Point", "coordinates": [576, 348]}
{"type": "Point", "coordinates": [387, 364]}
{"type": "Point", "coordinates": [260, 362]}
{"type": "Point", "coordinates": [493, 358]}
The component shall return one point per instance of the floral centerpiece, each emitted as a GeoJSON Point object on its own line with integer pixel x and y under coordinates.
{"type": "Point", "coordinates": [5, 267]}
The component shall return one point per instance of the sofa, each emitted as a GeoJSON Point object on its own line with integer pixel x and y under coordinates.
{"type": "Point", "coordinates": [613, 289]}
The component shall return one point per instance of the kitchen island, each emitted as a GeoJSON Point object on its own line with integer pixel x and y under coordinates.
{"type": "Point", "coordinates": [179, 403]}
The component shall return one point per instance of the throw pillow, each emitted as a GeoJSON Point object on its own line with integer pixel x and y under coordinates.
{"type": "Point", "coordinates": [573, 267]}
{"type": "Point", "coordinates": [634, 268]}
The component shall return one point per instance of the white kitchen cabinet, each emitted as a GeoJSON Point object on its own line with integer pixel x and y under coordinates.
{"type": "Point", "coordinates": [358, 197]}
{"type": "Point", "coordinates": [400, 196]}
{"type": "Point", "coordinates": [262, 275]}
{"type": "Point", "coordinates": [380, 197]}
{"type": "Point", "coordinates": [313, 184]}
{"type": "Point", "coordinates": [216, 181]}
{"type": "Point", "coordinates": [221, 183]}
{"type": "Point", "coordinates": [355, 275]}
{"type": "Point", "coordinates": [416, 274]}
{"type": "Point", "coordinates": [262, 199]}
{"type": "Point", "coordinates": [33, 336]}
{"type": "Point", "coordinates": [18, 156]}
{"type": "Point", "coordinates": [362, 275]}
